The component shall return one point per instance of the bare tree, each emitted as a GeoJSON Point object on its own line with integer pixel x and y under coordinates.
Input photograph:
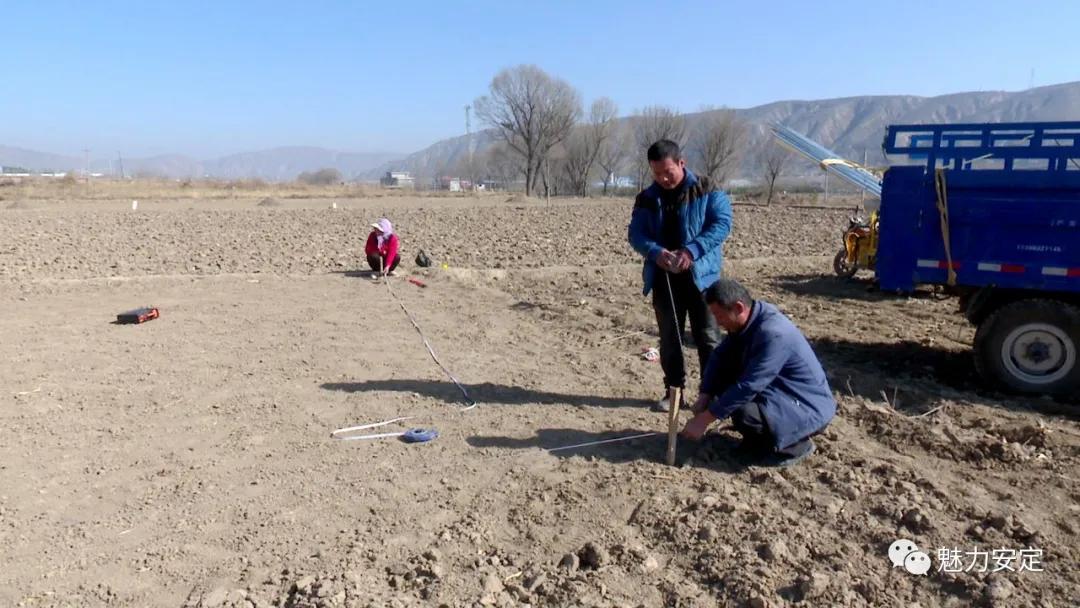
{"type": "Point", "coordinates": [650, 126]}
{"type": "Point", "coordinates": [774, 159]}
{"type": "Point", "coordinates": [659, 122]}
{"type": "Point", "coordinates": [563, 160]}
{"type": "Point", "coordinates": [533, 112]}
{"type": "Point", "coordinates": [583, 146]}
{"type": "Point", "coordinates": [574, 161]}
{"type": "Point", "coordinates": [718, 144]}
{"type": "Point", "coordinates": [322, 177]}
{"type": "Point", "coordinates": [503, 165]}
{"type": "Point", "coordinates": [614, 153]}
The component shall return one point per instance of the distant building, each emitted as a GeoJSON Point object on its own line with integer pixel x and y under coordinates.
{"type": "Point", "coordinates": [453, 184]}
{"type": "Point", "coordinates": [615, 181]}
{"type": "Point", "coordinates": [14, 171]}
{"type": "Point", "coordinates": [398, 179]}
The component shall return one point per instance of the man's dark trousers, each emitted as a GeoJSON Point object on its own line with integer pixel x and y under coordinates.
{"type": "Point", "coordinates": [749, 421]}
{"type": "Point", "coordinates": [688, 303]}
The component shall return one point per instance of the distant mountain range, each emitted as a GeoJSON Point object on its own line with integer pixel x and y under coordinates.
{"type": "Point", "coordinates": [849, 125]}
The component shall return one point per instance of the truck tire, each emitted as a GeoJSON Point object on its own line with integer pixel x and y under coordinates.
{"type": "Point", "coordinates": [1031, 346]}
{"type": "Point", "coordinates": [842, 268]}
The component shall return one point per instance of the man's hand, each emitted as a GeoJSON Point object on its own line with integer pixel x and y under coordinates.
{"type": "Point", "coordinates": [701, 403]}
{"type": "Point", "coordinates": [666, 260]}
{"type": "Point", "coordinates": [695, 429]}
{"type": "Point", "coordinates": [683, 260]}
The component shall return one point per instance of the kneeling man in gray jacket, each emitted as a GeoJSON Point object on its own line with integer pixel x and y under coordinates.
{"type": "Point", "coordinates": [765, 376]}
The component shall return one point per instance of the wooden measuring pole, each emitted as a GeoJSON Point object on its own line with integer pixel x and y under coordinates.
{"type": "Point", "coordinates": [674, 401]}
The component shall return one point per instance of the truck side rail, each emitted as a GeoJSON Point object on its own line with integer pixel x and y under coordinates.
{"type": "Point", "coordinates": [1038, 146]}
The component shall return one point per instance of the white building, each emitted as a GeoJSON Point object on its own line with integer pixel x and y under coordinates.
{"type": "Point", "coordinates": [398, 179]}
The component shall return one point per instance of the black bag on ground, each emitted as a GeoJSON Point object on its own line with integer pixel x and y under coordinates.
{"type": "Point", "coordinates": [422, 259]}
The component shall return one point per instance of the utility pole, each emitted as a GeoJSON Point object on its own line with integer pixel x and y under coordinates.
{"type": "Point", "coordinates": [120, 161]}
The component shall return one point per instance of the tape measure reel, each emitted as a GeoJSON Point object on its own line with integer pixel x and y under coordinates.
{"type": "Point", "coordinates": [419, 435]}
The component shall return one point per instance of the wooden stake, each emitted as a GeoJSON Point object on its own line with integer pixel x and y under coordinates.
{"type": "Point", "coordinates": [674, 401]}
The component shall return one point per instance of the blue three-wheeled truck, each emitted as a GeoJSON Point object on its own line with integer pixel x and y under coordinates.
{"type": "Point", "coordinates": [992, 213]}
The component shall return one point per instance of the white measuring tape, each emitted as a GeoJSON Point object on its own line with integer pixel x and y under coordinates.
{"type": "Point", "coordinates": [340, 434]}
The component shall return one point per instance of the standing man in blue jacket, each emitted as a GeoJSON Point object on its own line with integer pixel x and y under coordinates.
{"type": "Point", "coordinates": [765, 376]}
{"type": "Point", "coordinates": [678, 225]}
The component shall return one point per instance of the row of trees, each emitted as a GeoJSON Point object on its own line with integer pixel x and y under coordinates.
{"type": "Point", "coordinates": [322, 177]}
{"type": "Point", "coordinates": [547, 138]}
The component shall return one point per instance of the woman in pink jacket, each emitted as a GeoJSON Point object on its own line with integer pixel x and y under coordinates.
{"type": "Point", "coordinates": [382, 247]}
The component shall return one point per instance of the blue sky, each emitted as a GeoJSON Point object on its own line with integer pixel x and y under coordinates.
{"type": "Point", "coordinates": [214, 78]}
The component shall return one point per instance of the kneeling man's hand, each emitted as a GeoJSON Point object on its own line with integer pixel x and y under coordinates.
{"type": "Point", "coordinates": [701, 403]}
{"type": "Point", "coordinates": [695, 429]}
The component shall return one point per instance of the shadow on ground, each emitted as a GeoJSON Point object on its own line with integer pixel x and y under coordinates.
{"type": "Point", "coordinates": [485, 392]}
{"type": "Point", "coordinates": [355, 274]}
{"type": "Point", "coordinates": [832, 287]}
{"type": "Point", "coordinates": [951, 367]}
{"type": "Point", "coordinates": [916, 377]}
{"type": "Point", "coordinates": [716, 451]}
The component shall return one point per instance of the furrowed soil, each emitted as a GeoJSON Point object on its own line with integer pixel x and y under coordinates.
{"type": "Point", "coordinates": [188, 461]}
